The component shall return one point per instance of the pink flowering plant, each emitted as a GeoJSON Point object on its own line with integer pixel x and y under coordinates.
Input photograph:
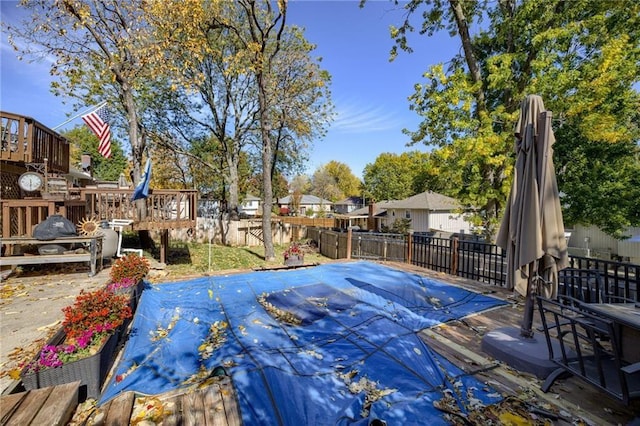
{"type": "Point", "coordinates": [293, 250]}
{"type": "Point", "coordinates": [122, 284]}
{"type": "Point", "coordinates": [87, 324]}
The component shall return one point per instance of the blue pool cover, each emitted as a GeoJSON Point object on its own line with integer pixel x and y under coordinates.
{"type": "Point", "coordinates": [334, 344]}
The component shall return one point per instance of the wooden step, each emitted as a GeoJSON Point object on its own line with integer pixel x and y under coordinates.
{"type": "Point", "coordinates": [53, 405]}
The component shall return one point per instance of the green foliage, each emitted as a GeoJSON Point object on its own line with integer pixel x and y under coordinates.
{"type": "Point", "coordinates": [399, 226]}
{"type": "Point", "coordinates": [348, 184]}
{"type": "Point", "coordinates": [580, 56]}
{"type": "Point", "coordinates": [84, 141]}
{"type": "Point", "coordinates": [394, 176]}
{"type": "Point", "coordinates": [325, 185]}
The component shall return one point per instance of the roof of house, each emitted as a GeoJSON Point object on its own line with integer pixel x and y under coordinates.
{"type": "Point", "coordinates": [306, 199]}
{"type": "Point", "coordinates": [378, 209]}
{"type": "Point", "coordinates": [251, 197]}
{"type": "Point", "coordinates": [427, 200]}
{"type": "Point", "coordinates": [349, 201]}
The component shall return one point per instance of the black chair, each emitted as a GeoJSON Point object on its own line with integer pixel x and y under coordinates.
{"type": "Point", "coordinates": [585, 285]}
{"type": "Point", "coordinates": [588, 349]}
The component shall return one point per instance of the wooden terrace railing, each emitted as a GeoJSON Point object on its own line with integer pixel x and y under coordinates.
{"type": "Point", "coordinates": [163, 209]}
{"type": "Point", "coordinates": [24, 140]}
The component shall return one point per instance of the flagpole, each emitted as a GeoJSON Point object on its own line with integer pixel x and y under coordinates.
{"type": "Point", "coordinates": [101, 104]}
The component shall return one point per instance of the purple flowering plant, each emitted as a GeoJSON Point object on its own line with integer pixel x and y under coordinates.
{"type": "Point", "coordinates": [122, 284]}
{"type": "Point", "coordinates": [88, 323]}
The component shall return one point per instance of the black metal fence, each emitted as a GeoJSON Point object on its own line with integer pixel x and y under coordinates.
{"type": "Point", "coordinates": [465, 256]}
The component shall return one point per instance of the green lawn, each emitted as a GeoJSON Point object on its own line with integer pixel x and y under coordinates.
{"type": "Point", "coordinates": [188, 259]}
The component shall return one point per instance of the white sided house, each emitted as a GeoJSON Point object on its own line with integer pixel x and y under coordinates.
{"type": "Point", "coordinates": [310, 205]}
{"type": "Point", "coordinates": [250, 205]}
{"type": "Point", "coordinates": [429, 211]}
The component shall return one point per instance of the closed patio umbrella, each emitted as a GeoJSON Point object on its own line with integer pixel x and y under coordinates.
{"type": "Point", "coordinates": [532, 229]}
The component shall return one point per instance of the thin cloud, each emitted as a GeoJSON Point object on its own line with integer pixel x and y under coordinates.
{"type": "Point", "coordinates": [359, 118]}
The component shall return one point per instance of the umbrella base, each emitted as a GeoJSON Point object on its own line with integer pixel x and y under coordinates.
{"type": "Point", "coordinates": [527, 354]}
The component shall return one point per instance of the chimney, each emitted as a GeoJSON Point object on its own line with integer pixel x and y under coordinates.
{"type": "Point", "coordinates": [371, 223]}
{"type": "Point", "coordinates": [85, 163]}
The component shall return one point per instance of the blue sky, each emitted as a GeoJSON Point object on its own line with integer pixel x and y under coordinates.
{"type": "Point", "coordinates": [369, 92]}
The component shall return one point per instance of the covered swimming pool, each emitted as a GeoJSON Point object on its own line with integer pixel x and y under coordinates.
{"type": "Point", "coordinates": [331, 344]}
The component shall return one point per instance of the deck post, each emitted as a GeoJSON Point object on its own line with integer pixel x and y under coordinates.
{"type": "Point", "coordinates": [349, 236]}
{"type": "Point", "coordinates": [164, 245]}
{"type": "Point", "coordinates": [454, 256]}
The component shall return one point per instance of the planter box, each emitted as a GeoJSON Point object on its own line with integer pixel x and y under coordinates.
{"type": "Point", "coordinates": [294, 261]}
{"type": "Point", "coordinates": [90, 371]}
{"type": "Point", "coordinates": [134, 292]}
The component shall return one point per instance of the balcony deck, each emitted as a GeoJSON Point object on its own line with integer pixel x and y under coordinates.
{"type": "Point", "coordinates": [27, 145]}
{"type": "Point", "coordinates": [25, 140]}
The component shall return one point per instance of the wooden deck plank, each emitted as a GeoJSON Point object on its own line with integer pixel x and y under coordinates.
{"type": "Point", "coordinates": [10, 403]}
{"type": "Point", "coordinates": [59, 406]}
{"type": "Point", "coordinates": [193, 409]}
{"type": "Point", "coordinates": [174, 417]}
{"type": "Point", "coordinates": [120, 409]}
{"type": "Point", "coordinates": [230, 401]}
{"type": "Point", "coordinates": [214, 407]}
{"type": "Point", "coordinates": [31, 404]}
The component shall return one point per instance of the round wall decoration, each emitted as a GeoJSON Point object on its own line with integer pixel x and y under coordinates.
{"type": "Point", "coordinates": [88, 226]}
{"type": "Point", "coordinates": [30, 181]}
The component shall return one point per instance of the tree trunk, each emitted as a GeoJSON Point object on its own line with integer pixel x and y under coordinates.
{"type": "Point", "coordinates": [267, 186]}
{"type": "Point", "coordinates": [234, 197]}
{"type": "Point", "coordinates": [472, 62]}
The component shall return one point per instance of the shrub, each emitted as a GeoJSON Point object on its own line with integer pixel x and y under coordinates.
{"type": "Point", "coordinates": [129, 266]}
{"type": "Point", "coordinates": [99, 311]}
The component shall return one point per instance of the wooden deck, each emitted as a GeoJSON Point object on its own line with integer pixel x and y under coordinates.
{"type": "Point", "coordinates": [570, 401]}
{"type": "Point", "coordinates": [460, 342]}
{"type": "Point", "coordinates": [212, 403]}
{"type": "Point", "coordinates": [47, 406]}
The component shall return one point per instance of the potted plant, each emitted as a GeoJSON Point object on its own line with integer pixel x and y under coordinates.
{"type": "Point", "coordinates": [127, 273]}
{"type": "Point", "coordinates": [293, 255]}
{"type": "Point", "coordinates": [83, 348]}
{"type": "Point", "coordinates": [129, 266]}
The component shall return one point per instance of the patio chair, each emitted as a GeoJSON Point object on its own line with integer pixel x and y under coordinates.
{"type": "Point", "coordinates": [585, 285]}
{"type": "Point", "coordinates": [118, 225]}
{"type": "Point", "coordinates": [588, 349]}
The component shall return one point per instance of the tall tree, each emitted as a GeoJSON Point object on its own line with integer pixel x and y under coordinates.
{"type": "Point", "coordinates": [204, 97]}
{"type": "Point", "coordinates": [348, 184]}
{"type": "Point", "coordinates": [325, 185]}
{"type": "Point", "coordinates": [580, 56]}
{"type": "Point", "coordinates": [84, 141]}
{"type": "Point", "coordinates": [102, 52]}
{"type": "Point", "coordinates": [393, 176]}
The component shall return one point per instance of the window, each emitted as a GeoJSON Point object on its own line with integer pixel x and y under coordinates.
{"type": "Point", "coordinates": [407, 214]}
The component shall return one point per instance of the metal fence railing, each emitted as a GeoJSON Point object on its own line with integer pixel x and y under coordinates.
{"type": "Point", "coordinates": [480, 261]}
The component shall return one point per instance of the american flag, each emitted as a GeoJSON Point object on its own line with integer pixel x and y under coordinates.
{"type": "Point", "coordinates": [97, 120]}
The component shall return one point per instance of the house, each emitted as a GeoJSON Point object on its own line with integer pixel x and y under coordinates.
{"type": "Point", "coordinates": [250, 206]}
{"type": "Point", "coordinates": [428, 211]}
{"type": "Point", "coordinates": [309, 205]}
{"type": "Point", "coordinates": [369, 218]}
{"type": "Point", "coordinates": [348, 205]}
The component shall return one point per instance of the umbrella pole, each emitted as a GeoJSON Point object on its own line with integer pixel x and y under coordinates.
{"type": "Point", "coordinates": [529, 303]}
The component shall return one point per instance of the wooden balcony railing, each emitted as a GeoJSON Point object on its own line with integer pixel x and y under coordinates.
{"type": "Point", "coordinates": [163, 209]}
{"type": "Point", "coordinates": [24, 140]}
